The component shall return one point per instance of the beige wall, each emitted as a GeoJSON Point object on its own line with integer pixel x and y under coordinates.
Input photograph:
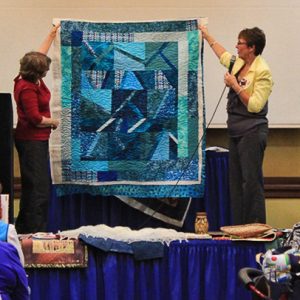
{"type": "Point", "coordinates": [25, 23]}
{"type": "Point", "coordinates": [282, 159]}
{"type": "Point", "coordinates": [283, 213]}
{"type": "Point", "coordinates": [282, 156]}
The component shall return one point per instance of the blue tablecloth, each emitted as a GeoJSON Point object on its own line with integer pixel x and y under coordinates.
{"type": "Point", "coordinates": [69, 212]}
{"type": "Point", "coordinates": [202, 270]}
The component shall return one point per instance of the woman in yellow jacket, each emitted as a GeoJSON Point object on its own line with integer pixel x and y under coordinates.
{"type": "Point", "coordinates": [250, 85]}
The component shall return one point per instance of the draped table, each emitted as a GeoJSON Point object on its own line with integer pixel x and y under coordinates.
{"type": "Point", "coordinates": [196, 269]}
{"type": "Point", "coordinates": [73, 211]}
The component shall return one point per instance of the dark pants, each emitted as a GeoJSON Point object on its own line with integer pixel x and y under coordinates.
{"type": "Point", "coordinates": [246, 177]}
{"type": "Point", "coordinates": [35, 180]}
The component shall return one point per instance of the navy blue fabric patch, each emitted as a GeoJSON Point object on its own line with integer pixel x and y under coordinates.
{"type": "Point", "coordinates": [141, 250]}
{"type": "Point", "coordinates": [107, 176]}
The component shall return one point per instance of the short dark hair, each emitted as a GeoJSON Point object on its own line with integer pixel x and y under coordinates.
{"type": "Point", "coordinates": [33, 66]}
{"type": "Point", "coordinates": [254, 37]}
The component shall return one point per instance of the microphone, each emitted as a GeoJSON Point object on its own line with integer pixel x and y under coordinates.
{"type": "Point", "coordinates": [232, 61]}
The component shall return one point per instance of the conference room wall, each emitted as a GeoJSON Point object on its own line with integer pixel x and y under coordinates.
{"type": "Point", "coordinates": [282, 159]}
{"type": "Point", "coordinates": [25, 23]}
{"type": "Point", "coordinates": [282, 156]}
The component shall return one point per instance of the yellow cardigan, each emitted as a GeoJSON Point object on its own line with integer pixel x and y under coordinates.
{"type": "Point", "coordinates": [258, 80]}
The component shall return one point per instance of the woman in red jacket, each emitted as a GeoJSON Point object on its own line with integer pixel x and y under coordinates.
{"type": "Point", "coordinates": [31, 137]}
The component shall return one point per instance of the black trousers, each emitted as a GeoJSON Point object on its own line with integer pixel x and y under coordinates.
{"type": "Point", "coordinates": [246, 184]}
{"type": "Point", "coordinates": [35, 181]}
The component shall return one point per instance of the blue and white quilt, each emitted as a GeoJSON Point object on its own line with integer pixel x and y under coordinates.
{"type": "Point", "coordinates": [129, 97]}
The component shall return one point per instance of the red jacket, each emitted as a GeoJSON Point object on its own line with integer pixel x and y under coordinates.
{"type": "Point", "coordinates": [32, 104]}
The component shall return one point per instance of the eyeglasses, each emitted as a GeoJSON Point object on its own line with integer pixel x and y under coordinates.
{"type": "Point", "coordinates": [241, 43]}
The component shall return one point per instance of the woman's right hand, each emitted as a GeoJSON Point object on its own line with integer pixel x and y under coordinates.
{"type": "Point", "coordinates": [48, 122]}
{"type": "Point", "coordinates": [55, 123]}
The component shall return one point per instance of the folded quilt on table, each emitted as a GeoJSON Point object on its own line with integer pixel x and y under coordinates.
{"type": "Point", "coordinates": [140, 250]}
{"type": "Point", "coordinates": [146, 243]}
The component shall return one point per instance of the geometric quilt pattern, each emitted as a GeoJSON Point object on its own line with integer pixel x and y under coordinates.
{"type": "Point", "coordinates": [129, 97]}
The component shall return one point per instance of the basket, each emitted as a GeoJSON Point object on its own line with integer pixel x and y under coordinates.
{"type": "Point", "coordinates": [246, 230]}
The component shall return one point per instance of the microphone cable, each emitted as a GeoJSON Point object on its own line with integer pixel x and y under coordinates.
{"type": "Point", "coordinates": [186, 167]}
{"type": "Point", "coordinates": [232, 61]}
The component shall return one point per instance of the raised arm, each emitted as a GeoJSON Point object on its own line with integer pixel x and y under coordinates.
{"type": "Point", "coordinates": [46, 44]}
{"type": "Point", "coordinates": [214, 45]}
